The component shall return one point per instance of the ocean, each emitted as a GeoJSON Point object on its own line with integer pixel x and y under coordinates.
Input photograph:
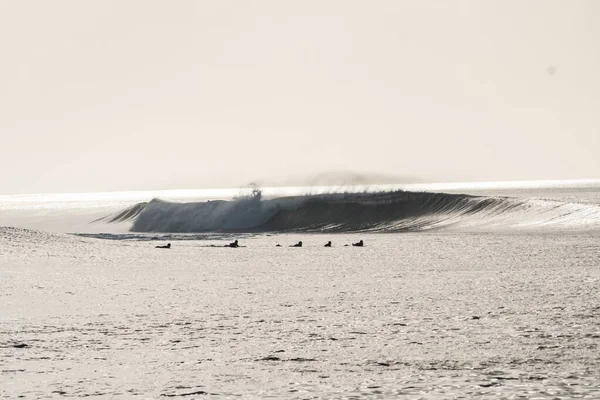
{"type": "Point", "coordinates": [461, 291]}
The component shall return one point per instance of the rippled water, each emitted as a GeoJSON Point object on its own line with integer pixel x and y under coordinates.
{"type": "Point", "coordinates": [418, 316]}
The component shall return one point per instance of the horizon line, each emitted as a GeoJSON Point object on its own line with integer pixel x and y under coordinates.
{"type": "Point", "coordinates": [211, 192]}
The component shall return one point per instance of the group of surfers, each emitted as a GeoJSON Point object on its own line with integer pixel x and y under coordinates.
{"type": "Point", "coordinates": [235, 244]}
{"type": "Point", "coordinates": [328, 244]}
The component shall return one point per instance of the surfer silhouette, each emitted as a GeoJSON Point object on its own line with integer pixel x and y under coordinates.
{"type": "Point", "coordinates": [328, 244]}
{"type": "Point", "coordinates": [234, 244]}
{"type": "Point", "coordinates": [299, 244]}
{"type": "Point", "coordinates": [167, 246]}
{"type": "Point", "coordinates": [359, 244]}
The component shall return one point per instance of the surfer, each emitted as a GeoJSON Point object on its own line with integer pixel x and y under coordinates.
{"type": "Point", "coordinates": [167, 246]}
{"type": "Point", "coordinates": [299, 244]}
{"type": "Point", "coordinates": [359, 244]}
{"type": "Point", "coordinates": [234, 244]}
{"type": "Point", "coordinates": [328, 244]}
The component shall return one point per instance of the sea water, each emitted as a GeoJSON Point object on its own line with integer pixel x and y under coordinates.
{"type": "Point", "coordinates": [436, 314]}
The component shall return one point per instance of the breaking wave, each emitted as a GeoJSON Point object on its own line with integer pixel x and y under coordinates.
{"type": "Point", "coordinates": [396, 211]}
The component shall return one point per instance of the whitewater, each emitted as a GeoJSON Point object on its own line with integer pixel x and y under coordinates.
{"type": "Point", "coordinates": [480, 291]}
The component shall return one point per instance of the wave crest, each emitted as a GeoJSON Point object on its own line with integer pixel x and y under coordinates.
{"type": "Point", "coordinates": [358, 212]}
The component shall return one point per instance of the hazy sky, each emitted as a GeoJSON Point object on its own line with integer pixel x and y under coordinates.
{"type": "Point", "coordinates": [105, 95]}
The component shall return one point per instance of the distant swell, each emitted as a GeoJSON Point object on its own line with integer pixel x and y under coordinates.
{"type": "Point", "coordinates": [358, 212]}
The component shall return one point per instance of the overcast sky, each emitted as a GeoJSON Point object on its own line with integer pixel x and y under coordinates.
{"type": "Point", "coordinates": [107, 95]}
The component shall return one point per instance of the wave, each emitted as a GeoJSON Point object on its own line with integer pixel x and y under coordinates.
{"type": "Point", "coordinates": [128, 214]}
{"type": "Point", "coordinates": [397, 211]}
